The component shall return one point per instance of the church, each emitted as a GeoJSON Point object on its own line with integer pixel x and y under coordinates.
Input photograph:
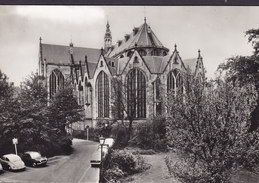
{"type": "Point", "coordinates": [146, 68]}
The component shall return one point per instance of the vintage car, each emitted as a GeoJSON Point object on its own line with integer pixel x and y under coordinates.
{"type": "Point", "coordinates": [12, 162]}
{"type": "Point", "coordinates": [32, 158]}
{"type": "Point", "coordinates": [96, 159]}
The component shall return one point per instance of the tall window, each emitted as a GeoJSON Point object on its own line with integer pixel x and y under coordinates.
{"type": "Point", "coordinates": [56, 82]}
{"type": "Point", "coordinates": [136, 94]}
{"type": "Point", "coordinates": [80, 94]}
{"type": "Point", "coordinates": [88, 89]}
{"type": "Point", "coordinates": [174, 82]}
{"type": "Point", "coordinates": [103, 95]}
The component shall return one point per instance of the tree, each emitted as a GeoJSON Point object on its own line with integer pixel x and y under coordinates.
{"type": "Point", "coordinates": [120, 106]}
{"type": "Point", "coordinates": [209, 125]}
{"type": "Point", "coordinates": [8, 113]}
{"type": "Point", "coordinates": [245, 70]}
{"type": "Point", "coordinates": [64, 109]}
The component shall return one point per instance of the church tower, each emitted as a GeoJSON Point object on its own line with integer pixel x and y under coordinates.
{"type": "Point", "coordinates": [107, 38]}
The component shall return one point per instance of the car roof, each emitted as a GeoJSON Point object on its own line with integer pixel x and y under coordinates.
{"type": "Point", "coordinates": [10, 155]}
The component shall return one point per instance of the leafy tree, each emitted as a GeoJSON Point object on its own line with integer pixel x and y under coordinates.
{"type": "Point", "coordinates": [8, 114]}
{"type": "Point", "coordinates": [120, 108]}
{"type": "Point", "coordinates": [209, 125]}
{"type": "Point", "coordinates": [64, 109]}
{"type": "Point", "coordinates": [245, 70]}
{"type": "Point", "coordinates": [26, 117]}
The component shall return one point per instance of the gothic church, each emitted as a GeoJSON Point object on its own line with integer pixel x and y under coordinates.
{"type": "Point", "coordinates": [139, 57]}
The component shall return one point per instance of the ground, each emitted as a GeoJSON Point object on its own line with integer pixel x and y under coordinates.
{"type": "Point", "coordinates": [74, 168]}
{"type": "Point", "coordinates": [158, 172]}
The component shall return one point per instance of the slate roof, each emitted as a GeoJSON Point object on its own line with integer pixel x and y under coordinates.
{"type": "Point", "coordinates": [190, 63]}
{"type": "Point", "coordinates": [59, 54]}
{"type": "Point", "coordinates": [156, 64]}
{"type": "Point", "coordinates": [91, 68]}
{"type": "Point", "coordinates": [144, 37]}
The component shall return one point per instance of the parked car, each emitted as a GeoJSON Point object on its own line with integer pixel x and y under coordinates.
{"type": "Point", "coordinates": [12, 162]}
{"type": "Point", "coordinates": [32, 158]}
{"type": "Point", "coordinates": [96, 159]}
{"type": "Point", "coordinates": [1, 168]}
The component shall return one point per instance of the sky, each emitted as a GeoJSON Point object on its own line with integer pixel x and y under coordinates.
{"type": "Point", "coordinates": [219, 32]}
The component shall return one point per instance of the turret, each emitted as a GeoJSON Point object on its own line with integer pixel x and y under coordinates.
{"type": "Point", "coordinates": [107, 38]}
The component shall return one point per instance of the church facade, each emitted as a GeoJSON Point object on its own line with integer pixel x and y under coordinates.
{"type": "Point", "coordinates": [140, 61]}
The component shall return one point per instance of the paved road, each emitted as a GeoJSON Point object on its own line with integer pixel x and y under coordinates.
{"type": "Point", "coordinates": [75, 168]}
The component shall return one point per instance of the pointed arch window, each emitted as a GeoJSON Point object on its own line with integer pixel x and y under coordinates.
{"type": "Point", "coordinates": [88, 90]}
{"type": "Point", "coordinates": [56, 82]}
{"type": "Point", "coordinates": [80, 94]}
{"type": "Point", "coordinates": [174, 81]}
{"type": "Point", "coordinates": [103, 95]}
{"type": "Point", "coordinates": [136, 94]}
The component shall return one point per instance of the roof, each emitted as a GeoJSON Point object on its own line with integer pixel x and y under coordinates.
{"type": "Point", "coordinates": [190, 63]}
{"type": "Point", "coordinates": [143, 36]}
{"type": "Point", "coordinates": [59, 54]}
{"type": "Point", "coordinates": [91, 68]}
{"type": "Point", "coordinates": [156, 64]}
{"type": "Point", "coordinates": [121, 64]}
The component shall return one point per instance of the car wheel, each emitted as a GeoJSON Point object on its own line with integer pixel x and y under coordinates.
{"type": "Point", "coordinates": [34, 164]}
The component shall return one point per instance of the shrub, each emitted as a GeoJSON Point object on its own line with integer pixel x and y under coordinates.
{"type": "Point", "coordinates": [120, 163]}
{"type": "Point", "coordinates": [119, 133]}
{"type": "Point", "coordinates": [151, 135]}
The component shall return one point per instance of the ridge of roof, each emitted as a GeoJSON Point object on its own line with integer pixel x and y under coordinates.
{"type": "Point", "coordinates": [145, 37]}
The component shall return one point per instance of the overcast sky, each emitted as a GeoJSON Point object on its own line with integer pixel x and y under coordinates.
{"type": "Point", "coordinates": [217, 31]}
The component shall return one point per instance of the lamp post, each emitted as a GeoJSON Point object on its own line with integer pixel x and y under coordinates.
{"type": "Point", "coordinates": [102, 140]}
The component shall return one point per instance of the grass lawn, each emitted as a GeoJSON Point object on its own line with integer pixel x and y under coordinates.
{"type": "Point", "coordinates": [158, 172]}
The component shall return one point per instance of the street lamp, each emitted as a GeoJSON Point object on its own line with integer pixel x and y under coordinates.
{"type": "Point", "coordinates": [102, 140]}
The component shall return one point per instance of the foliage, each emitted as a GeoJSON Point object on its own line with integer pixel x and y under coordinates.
{"type": "Point", "coordinates": [8, 114]}
{"type": "Point", "coordinates": [27, 118]}
{"type": "Point", "coordinates": [64, 109]}
{"type": "Point", "coordinates": [120, 163]}
{"type": "Point", "coordinates": [151, 135]}
{"type": "Point", "coordinates": [245, 70]}
{"type": "Point", "coordinates": [120, 107]}
{"type": "Point", "coordinates": [119, 133]}
{"type": "Point", "coordinates": [209, 123]}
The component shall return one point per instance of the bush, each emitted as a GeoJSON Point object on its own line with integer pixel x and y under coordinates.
{"type": "Point", "coordinates": [120, 163]}
{"type": "Point", "coordinates": [151, 135]}
{"type": "Point", "coordinates": [119, 133]}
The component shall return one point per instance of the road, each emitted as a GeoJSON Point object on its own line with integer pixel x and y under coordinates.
{"type": "Point", "coordinates": [75, 168]}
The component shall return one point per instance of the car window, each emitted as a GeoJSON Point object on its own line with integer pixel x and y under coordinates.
{"type": "Point", "coordinates": [35, 155]}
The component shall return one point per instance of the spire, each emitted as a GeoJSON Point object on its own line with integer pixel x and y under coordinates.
{"type": "Point", "coordinates": [175, 47]}
{"type": "Point", "coordinates": [107, 37]}
{"type": "Point", "coordinates": [40, 40]}
{"type": "Point", "coordinates": [145, 19]}
{"type": "Point", "coordinates": [199, 53]}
